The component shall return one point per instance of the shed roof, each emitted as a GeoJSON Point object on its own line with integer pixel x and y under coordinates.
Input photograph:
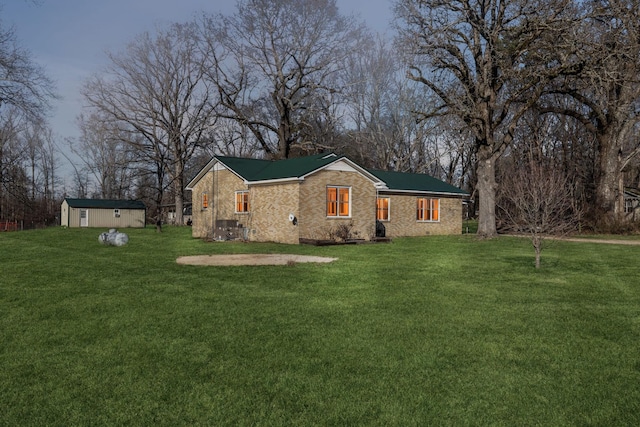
{"type": "Point", "coordinates": [105, 203]}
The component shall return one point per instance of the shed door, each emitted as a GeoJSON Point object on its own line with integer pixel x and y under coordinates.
{"type": "Point", "coordinates": [84, 218]}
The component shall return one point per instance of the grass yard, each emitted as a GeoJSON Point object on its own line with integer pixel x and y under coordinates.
{"type": "Point", "coordinates": [422, 331]}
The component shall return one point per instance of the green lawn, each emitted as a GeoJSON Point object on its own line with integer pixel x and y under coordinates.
{"type": "Point", "coordinates": [422, 331]}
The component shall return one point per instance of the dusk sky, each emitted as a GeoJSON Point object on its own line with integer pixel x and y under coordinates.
{"type": "Point", "coordinates": [69, 38]}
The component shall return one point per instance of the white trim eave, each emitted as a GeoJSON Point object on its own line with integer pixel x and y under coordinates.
{"type": "Point", "coordinates": [380, 186]}
{"type": "Point", "coordinates": [437, 193]}
{"type": "Point", "coordinates": [202, 173]}
{"type": "Point", "coordinates": [371, 177]}
{"type": "Point", "coordinates": [206, 170]}
{"type": "Point", "coordinates": [274, 181]}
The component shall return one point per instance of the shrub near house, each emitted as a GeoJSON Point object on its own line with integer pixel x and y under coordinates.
{"type": "Point", "coordinates": [316, 197]}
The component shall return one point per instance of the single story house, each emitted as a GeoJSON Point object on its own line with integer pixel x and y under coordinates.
{"type": "Point", "coordinates": [318, 197]}
{"type": "Point", "coordinates": [103, 213]}
{"type": "Point", "coordinates": [631, 203]}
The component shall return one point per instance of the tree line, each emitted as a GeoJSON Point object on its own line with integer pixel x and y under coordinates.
{"type": "Point", "coordinates": [28, 153]}
{"type": "Point", "coordinates": [470, 91]}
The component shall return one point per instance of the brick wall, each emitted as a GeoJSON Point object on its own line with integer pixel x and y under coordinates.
{"type": "Point", "coordinates": [313, 220]}
{"type": "Point", "coordinates": [270, 209]}
{"type": "Point", "coordinates": [202, 218]}
{"type": "Point", "coordinates": [220, 187]}
{"type": "Point", "coordinates": [402, 217]}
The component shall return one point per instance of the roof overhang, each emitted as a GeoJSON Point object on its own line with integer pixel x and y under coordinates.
{"type": "Point", "coordinates": [371, 177]}
{"type": "Point", "coordinates": [422, 192]}
{"type": "Point", "coordinates": [296, 179]}
{"type": "Point", "coordinates": [201, 173]}
{"type": "Point", "coordinates": [274, 181]}
{"type": "Point", "coordinates": [211, 165]}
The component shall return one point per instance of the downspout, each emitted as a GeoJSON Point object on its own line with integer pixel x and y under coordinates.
{"type": "Point", "coordinates": [375, 215]}
{"type": "Point", "coordinates": [215, 182]}
{"type": "Point", "coordinates": [252, 204]}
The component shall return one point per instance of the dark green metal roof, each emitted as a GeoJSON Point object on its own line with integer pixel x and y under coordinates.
{"type": "Point", "coordinates": [244, 167]}
{"type": "Point", "coordinates": [264, 170]}
{"type": "Point", "coordinates": [105, 204]}
{"type": "Point", "coordinates": [401, 181]}
{"type": "Point", "coordinates": [297, 167]}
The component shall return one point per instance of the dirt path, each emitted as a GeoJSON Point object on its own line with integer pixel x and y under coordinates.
{"type": "Point", "coordinates": [250, 259]}
{"type": "Point", "coordinates": [585, 240]}
{"type": "Point", "coordinates": [605, 241]}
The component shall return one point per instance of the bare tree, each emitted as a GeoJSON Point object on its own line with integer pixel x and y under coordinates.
{"type": "Point", "coordinates": [151, 173]}
{"type": "Point", "coordinates": [33, 140]}
{"type": "Point", "coordinates": [604, 96]}
{"type": "Point", "coordinates": [486, 62]}
{"type": "Point", "coordinates": [25, 92]}
{"type": "Point", "coordinates": [11, 156]}
{"type": "Point", "coordinates": [23, 84]}
{"type": "Point", "coordinates": [40, 162]}
{"type": "Point", "coordinates": [48, 169]}
{"type": "Point", "coordinates": [230, 138]}
{"type": "Point", "coordinates": [379, 104]}
{"type": "Point", "coordinates": [157, 90]}
{"type": "Point", "coordinates": [106, 155]}
{"type": "Point", "coordinates": [536, 198]}
{"type": "Point", "coordinates": [272, 60]}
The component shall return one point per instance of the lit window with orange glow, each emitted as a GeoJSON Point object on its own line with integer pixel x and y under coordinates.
{"type": "Point", "coordinates": [242, 201]}
{"type": "Point", "coordinates": [428, 210]}
{"type": "Point", "coordinates": [338, 202]}
{"type": "Point", "coordinates": [382, 209]}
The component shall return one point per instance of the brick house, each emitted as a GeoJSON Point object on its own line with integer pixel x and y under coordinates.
{"type": "Point", "coordinates": [312, 197]}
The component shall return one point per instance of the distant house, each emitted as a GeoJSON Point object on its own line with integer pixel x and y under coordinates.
{"type": "Point", "coordinates": [169, 214]}
{"type": "Point", "coordinates": [103, 213]}
{"type": "Point", "coordinates": [318, 197]}
{"type": "Point", "coordinates": [631, 203]}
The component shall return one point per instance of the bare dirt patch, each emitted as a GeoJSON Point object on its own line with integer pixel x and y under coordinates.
{"type": "Point", "coordinates": [605, 241]}
{"type": "Point", "coordinates": [586, 240]}
{"type": "Point", "coordinates": [250, 259]}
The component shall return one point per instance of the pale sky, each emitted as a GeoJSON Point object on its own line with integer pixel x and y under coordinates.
{"type": "Point", "coordinates": [69, 38]}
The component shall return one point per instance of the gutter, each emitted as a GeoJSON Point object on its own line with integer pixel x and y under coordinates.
{"type": "Point", "coordinates": [436, 193]}
{"type": "Point", "coordinates": [274, 181]}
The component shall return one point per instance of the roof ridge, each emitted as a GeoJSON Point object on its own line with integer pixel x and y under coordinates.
{"type": "Point", "coordinates": [252, 169]}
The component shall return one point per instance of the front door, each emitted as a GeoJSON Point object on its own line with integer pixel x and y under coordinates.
{"type": "Point", "coordinates": [84, 218]}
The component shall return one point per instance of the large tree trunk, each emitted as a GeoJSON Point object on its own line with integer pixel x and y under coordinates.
{"type": "Point", "coordinates": [179, 199]}
{"type": "Point", "coordinates": [609, 206]}
{"type": "Point", "coordinates": [486, 192]}
{"type": "Point", "coordinates": [178, 185]}
{"type": "Point", "coordinates": [285, 134]}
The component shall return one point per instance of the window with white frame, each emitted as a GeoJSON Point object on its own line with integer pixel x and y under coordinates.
{"type": "Point", "coordinates": [242, 201]}
{"type": "Point", "coordinates": [428, 210]}
{"type": "Point", "coordinates": [338, 202]}
{"type": "Point", "coordinates": [630, 205]}
{"type": "Point", "coordinates": [382, 208]}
